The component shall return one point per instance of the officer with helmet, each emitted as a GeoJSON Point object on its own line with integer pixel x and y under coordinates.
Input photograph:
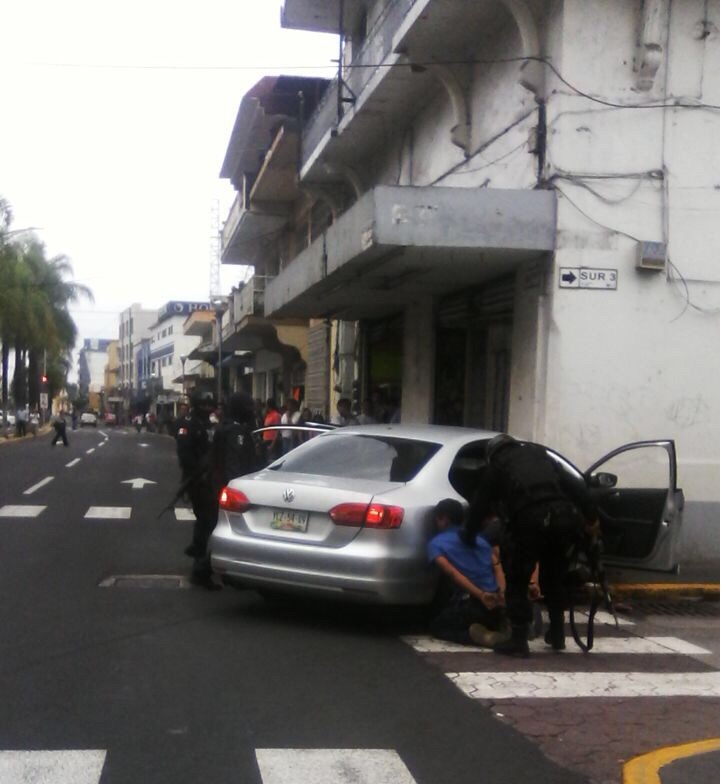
{"type": "Point", "coordinates": [193, 449]}
{"type": "Point", "coordinates": [547, 510]}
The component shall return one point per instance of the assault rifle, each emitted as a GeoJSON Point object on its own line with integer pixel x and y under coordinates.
{"type": "Point", "coordinates": [183, 488]}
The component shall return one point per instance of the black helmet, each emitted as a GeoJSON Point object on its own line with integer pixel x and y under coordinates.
{"type": "Point", "coordinates": [241, 407]}
{"type": "Point", "coordinates": [497, 443]}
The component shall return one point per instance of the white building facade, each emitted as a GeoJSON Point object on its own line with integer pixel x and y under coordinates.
{"type": "Point", "coordinates": [525, 220]}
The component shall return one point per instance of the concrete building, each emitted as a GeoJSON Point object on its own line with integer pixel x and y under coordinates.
{"type": "Point", "coordinates": [160, 366]}
{"type": "Point", "coordinates": [508, 211]}
{"type": "Point", "coordinates": [271, 219]}
{"type": "Point", "coordinates": [135, 322]}
{"type": "Point", "coordinates": [92, 362]}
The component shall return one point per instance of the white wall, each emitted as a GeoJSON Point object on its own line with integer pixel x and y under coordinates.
{"type": "Point", "coordinates": [642, 361]}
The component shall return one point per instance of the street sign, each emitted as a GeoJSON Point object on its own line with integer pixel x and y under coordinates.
{"type": "Point", "coordinates": [44, 400]}
{"type": "Point", "coordinates": [587, 278]}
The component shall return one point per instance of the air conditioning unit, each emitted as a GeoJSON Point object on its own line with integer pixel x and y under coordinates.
{"type": "Point", "coordinates": [651, 256]}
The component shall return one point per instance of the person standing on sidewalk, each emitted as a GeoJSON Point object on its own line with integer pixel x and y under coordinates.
{"type": "Point", "coordinates": [547, 512]}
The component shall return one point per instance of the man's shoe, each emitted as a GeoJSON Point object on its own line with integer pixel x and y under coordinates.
{"type": "Point", "coordinates": [192, 551]}
{"type": "Point", "coordinates": [555, 639]}
{"type": "Point", "coordinates": [486, 638]}
{"type": "Point", "coordinates": [513, 647]}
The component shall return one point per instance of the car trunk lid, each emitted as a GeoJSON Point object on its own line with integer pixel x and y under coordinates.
{"type": "Point", "coordinates": [295, 507]}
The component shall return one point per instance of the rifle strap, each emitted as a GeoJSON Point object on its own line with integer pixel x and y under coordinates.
{"type": "Point", "coordinates": [589, 644]}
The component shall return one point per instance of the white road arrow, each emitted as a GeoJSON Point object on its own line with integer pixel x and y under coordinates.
{"type": "Point", "coordinates": [137, 483]}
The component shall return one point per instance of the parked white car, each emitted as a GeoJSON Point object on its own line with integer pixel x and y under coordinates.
{"type": "Point", "coordinates": [88, 418]}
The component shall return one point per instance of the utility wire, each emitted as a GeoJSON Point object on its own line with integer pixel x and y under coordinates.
{"type": "Point", "coordinates": [675, 102]}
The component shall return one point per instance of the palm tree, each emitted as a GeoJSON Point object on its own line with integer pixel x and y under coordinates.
{"type": "Point", "coordinates": [34, 316]}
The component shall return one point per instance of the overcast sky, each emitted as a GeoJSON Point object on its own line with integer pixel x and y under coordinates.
{"type": "Point", "coordinates": [115, 122]}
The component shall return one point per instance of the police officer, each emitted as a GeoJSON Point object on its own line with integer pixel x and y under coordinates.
{"type": "Point", "coordinates": [548, 510]}
{"type": "Point", "coordinates": [233, 451]}
{"type": "Point", "coordinates": [193, 449]}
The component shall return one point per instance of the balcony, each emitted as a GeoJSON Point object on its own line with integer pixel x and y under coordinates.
{"type": "Point", "coordinates": [400, 243]}
{"type": "Point", "coordinates": [243, 233]}
{"type": "Point", "coordinates": [399, 65]}
{"type": "Point", "coordinates": [248, 300]}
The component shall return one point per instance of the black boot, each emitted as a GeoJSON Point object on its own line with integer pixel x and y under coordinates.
{"type": "Point", "coordinates": [555, 633]}
{"type": "Point", "coordinates": [516, 645]}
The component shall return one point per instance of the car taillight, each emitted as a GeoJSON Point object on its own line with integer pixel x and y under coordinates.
{"type": "Point", "coordinates": [370, 515]}
{"type": "Point", "coordinates": [233, 500]}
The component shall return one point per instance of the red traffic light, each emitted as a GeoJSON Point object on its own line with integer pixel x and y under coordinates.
{"type": "Point", "coordinates": [44, 379]}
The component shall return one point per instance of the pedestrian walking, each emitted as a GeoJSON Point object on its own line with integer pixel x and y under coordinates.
{"type": "Point", "coordinates": [272, 438]}
{"type": "Point", "coordinates": [60, 427]}
{"type": "Point", "coordinates": [547, 512]}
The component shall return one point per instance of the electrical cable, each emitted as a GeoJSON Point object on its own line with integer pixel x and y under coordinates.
{"type": "Point", "coordinates": [676, 101]}
{"type": "Point", "coordinates": [483, 147]}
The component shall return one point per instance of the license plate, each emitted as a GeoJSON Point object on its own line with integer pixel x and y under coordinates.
{"type": "Point", "coordinates": [284, 520]}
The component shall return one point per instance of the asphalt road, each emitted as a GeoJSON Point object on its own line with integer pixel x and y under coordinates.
{"type": "Point", "coordinates": [157, 682]}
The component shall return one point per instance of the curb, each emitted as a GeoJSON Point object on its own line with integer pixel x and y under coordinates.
{"type": "Point", "coordinates": [644, 769]}
{"type": "Point", "coordinates": [665, 590]}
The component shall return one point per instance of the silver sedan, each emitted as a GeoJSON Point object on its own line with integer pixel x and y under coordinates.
{"type": "Point", "coordinates": [348, 514]}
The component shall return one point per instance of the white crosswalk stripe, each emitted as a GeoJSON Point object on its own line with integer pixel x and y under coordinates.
{"type": "Point", "coordinates": [51, 767]}
{"type": "Point", "coordinates": [558, 685]}
{"type": "Point", "coordinates": [20, 510]}
{"type": "Point", "coordinates": [332, 766]}
{"type": "Point", "coordinates": [108, 513]}
{"type": "Point", "coordinates": [182, 514]}
{"type": "Point", "coordinates": [622, 645]}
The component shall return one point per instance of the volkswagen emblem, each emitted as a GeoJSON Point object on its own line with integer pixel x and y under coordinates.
{"type": "Point", "coordinates": [289, 494]}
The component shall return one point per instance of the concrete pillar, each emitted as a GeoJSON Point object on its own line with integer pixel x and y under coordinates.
{"type": "Point", "coordinates": [419, 360]}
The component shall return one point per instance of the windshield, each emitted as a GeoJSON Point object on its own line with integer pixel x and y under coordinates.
{"type": "Point", "coordinates": [360, 457]}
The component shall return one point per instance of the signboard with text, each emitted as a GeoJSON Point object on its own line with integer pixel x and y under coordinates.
{"type": "Point", "coordinates": [587, 278]}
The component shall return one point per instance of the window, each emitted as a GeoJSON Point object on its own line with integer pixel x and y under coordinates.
{"type": "Point", "coordinates": [360, 457]}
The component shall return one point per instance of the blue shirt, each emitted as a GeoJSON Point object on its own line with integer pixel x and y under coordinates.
{"type": "Point", "coordinates": [473, 562]}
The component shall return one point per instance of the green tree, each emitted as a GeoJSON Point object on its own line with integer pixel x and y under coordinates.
{"type": "Point", "coordinates": [35, 320]}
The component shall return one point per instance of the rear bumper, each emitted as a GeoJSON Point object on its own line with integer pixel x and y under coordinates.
{"type": "Point", "coordinates": [365, 570]}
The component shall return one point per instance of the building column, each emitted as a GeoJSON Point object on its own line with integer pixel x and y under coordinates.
{"type": "Point", "coordinates": [417, 393]}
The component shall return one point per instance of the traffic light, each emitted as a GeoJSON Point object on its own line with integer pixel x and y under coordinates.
{"type": "Point", "coordinates": [44, 379]}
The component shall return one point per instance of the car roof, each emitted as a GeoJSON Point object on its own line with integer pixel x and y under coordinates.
{"type": "Point", "coordinates": [444, 434]}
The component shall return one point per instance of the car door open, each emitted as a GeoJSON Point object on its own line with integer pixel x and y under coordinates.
{"type": "Point", "coordinates": [640, 505]}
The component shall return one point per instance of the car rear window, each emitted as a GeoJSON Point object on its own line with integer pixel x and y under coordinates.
{"type": "Point", "coordinates": [360, 457]}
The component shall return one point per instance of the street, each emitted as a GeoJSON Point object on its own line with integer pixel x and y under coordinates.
{"type": "Point", "coordinates": [114, 670]}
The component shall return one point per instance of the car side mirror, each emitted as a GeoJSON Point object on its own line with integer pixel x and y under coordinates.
{"type": "Point", "coordinates": [603, 481]}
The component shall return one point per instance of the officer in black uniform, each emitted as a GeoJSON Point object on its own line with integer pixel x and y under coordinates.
{"type": "Point", "coordinates": [548, 510]}
{"type": "Point", "coordinates": [193, 449]}
{"type": "Point", "coordinates": [233, 451]}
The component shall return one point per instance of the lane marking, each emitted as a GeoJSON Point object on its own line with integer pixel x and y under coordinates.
{"type": "Point", "coordinates": [332, 766]}
{"type": "Point", "coordinates": [108, 513]}
{"type": "Point", "coordinates": [89, 451]}
{"type": "Point", "coordinates": [51, 767]}
{"type": "Point", "coordinates": [182, 514]}
{"type": "Point", "coordinates": [557, 685]}
{"type": "Point", "coordinates": [41, 483]}
{"type": "Point", "coordinates": [644, 769]}
{"type": "Point", "coordinates": [21, 511]}
{"type": "Point", "coordinates": [641, 645]}
{"type": "Point", "coordinates": [138, 483]}
{"type": "Point", "coordinates": [72, 463]}
{"type": "Point", "coordinates": [102, 443]}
